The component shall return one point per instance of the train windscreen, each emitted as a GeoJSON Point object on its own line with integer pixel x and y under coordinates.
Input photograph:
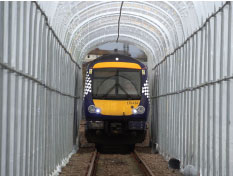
{"type": "Point", "coordinates": [116, 83]}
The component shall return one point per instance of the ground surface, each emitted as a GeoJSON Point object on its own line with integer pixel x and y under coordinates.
{"type": "Point", "coordinates": [156, 162]}
{"type": "Point", "coordinates": [115, 164]}
{"type": "Point", "coordinates": [78, 163]}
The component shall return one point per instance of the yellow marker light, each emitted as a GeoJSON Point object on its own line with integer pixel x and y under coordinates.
{"type": "Point", "coordinates": [143, 72]}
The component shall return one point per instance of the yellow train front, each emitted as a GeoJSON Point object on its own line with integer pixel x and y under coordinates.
{"type": "Point", "coordinates": [116, 101]}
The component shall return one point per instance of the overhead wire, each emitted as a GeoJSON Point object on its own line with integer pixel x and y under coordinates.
{"type": "Point", "coordinates": [119, 20]}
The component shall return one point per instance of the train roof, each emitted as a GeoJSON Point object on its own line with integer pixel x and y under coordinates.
{"type": "Point", "coordinates": [112, 58]}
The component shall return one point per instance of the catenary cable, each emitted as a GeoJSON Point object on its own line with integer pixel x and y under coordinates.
{"type": "Point", "coordinates": [119, 20]}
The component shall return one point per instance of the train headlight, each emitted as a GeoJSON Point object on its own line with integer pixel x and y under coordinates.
{"type": "Point", "coordinates": [139, 110]}
{"type": "Point", "coordinates": [97, 110]}
{"type": "Point", "coordinates": [93, 109]}
{"type": "Point", "coordinates": [135, 111]}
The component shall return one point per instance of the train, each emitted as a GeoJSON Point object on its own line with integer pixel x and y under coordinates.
{"type": "Point", "coordinates": [116, 101]}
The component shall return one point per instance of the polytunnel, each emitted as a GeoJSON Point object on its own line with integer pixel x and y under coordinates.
{"type": "Point", "coordinates": [189, 49]}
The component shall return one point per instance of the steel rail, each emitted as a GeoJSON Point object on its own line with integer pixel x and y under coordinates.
{"type": "Point", "coordinates": [5, 66]}
{"type": "Point", "coordinates": [143, 166]}
{"type": "Point", "coordinates": [91, 170]}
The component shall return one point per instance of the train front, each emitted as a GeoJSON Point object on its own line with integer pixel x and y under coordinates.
{"type": "Point", "coordinates": [116, 101]}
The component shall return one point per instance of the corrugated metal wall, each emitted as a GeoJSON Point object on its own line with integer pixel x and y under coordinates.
{"type": "Point", "coordinates": [193, 98]}
{"type": "Point", "coordinates": [191, 106]}
{"type": "Point", "coordinates": [37, 93]}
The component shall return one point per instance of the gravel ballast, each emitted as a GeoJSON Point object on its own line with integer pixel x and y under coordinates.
{"type": "Point", "coordinates": [115, 164]}
{"type": "Point", "coordinates": [78, 163]}
{"type": "Point", "coordinates": [156, 162]}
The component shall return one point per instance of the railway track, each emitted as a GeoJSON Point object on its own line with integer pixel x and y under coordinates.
{"type": "Point", "coordinates": [115, 164]}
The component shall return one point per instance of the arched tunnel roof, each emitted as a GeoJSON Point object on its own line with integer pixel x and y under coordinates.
{"type": "Point", "coordinates": [155, 27]}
